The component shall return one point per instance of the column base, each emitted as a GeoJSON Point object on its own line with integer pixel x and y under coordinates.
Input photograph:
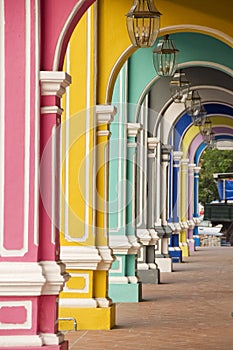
{"type": "Point", "coordinates": [4, 345]}
{"type": "Point", "coordinates": [197, 241]}
{"type": "Point", "coordinates": [149, 276]}
{"type": "Point", "coordinates": [175, 254]}
{"type": "Point", "coordinates": [191, 244]}
{"type": "Point", "coordinates": [99, 318]}
{"type": "Point", "coordinates": [185, 249]}
{"type": "Point", "coordinates": [125, 293]}
{"type": "Point", "coordinates": [164, 264]}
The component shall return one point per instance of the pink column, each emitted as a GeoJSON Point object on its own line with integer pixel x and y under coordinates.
{"type": "Point", "coordinates": [30, 276]}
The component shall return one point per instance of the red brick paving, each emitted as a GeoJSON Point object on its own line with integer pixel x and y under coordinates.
{"type": "Point", "coordinates": [191, 309]}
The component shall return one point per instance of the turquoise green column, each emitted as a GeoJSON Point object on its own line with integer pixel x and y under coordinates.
{"type": "Point", "coordinates": [123, 281]}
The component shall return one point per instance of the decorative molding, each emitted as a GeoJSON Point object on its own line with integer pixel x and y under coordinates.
{"type": "Point", "coordinates": [197, 169]}
{"type": "Point", "coordinates": [191, 167]}
{"type": "Point", "coordinates": [51, 110]}
{"type": "Point", "coordinates": [107, 258]}
{"type": "Point", "coordinates": [135, 244]}
{"type": "Point", "coordinates": [103, 302]}
{"type": "Point", "coordinates": [143, 235]}
{"type": "Point", "coordinates": [78, 303]}
{"type": "Point", "coordinates": [133, 129]}
{"type": "Point", "coordinates": [118, 280]}
{"type": "Point", "coordinates": [15, 341]}
{"type": "Point", "coordinates": [177, 155]}
{"type": "Point", "coordinates": [52, 339]}
{"type": "Point", "coordinates": [119, 244]}
{"type": "Point", "coordinates": [54, 83]}
{"type": "Point", "coordinates": [152, 143]}
{"type": "Point", "coordinates": [28, 281]}
{"type": "Point", "coordinates": [55, 276]}
{"type": "Point", "coordinates": [75, 257]}
{"type": "Point", "coordinates": [105, 114]}
{"type": "Point", "coordinates": [26, 305]}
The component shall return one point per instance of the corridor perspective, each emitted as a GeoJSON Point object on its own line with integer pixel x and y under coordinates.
{"type": "Point", "coordinates": [191, 309]}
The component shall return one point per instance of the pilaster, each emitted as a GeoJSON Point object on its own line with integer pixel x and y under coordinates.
{"type": "Point", "coordinates": [148, 271]}
{"type": "Point", "coordinates": [196, 206]}
{"type": "Point", "coordinates": [174, 249]}
{"type": "Point", "coordinates": [164, 231]}
{"type": "Point", "coordinates": [86, 293]}
{"type": "Point", "coordinates": [191, 223]}
{"type": "Point", "coordinates": [124, 285]}
{"type": "Point", "coordinates": [184, 207]}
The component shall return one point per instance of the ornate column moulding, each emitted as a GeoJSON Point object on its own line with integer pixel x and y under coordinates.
{"type": "Point", "coordinates": [54, 83]}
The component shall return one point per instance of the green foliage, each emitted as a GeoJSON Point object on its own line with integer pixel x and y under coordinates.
{"type": "Point", "coordinates": [213, 161]}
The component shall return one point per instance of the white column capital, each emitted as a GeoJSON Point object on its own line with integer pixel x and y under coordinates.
{"type": "Point", "coordinates": [191, 167]}
{"type": "Point", "coordinates": [133, 129]}
{"type": "Point", "coordinates": [152, 142]}
{"type": "Point", "coordinates": [184, 162]}
{"type": "Point", "coordinates": [197, 169]}
{"type": "Point", "coordinates": [105, 114]}
{"type": "Point", "coordinates": [177, 155]}
{"type": "Point", "coordinates": [54, 83]}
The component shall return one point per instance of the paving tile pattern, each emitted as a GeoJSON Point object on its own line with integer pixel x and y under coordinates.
{"type": "Point", "coordinates": [191, 309]}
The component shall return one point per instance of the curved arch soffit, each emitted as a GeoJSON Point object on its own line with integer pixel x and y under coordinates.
{"type": "Point", "coordinates": [78, 11]}
{"type": "Point", "coordinates": [172, 112]}
{"type": "Point", "coordinates": [221, 133]}
{"type": "Point", "coordinates": [192, 131]}
{"type": "Point", "coordinates": [183, 28]}
{"type": "Point", "coordinates": [203, 146]}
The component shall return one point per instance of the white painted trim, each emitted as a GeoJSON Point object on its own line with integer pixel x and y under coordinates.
{"type": "Point", "coordinates": [63, 32]}
{"type": "Point", "coordinates": [77, 303]}
{"type": "Point", "coordinates": [2, 117]}
{"type": "Point", "coordinates": [20, 340]}
{"type": "Point", "coordinates": [87, 174]}
{"type": "Point", "coordinates": [52, 339]}
{"type": "Point", "coordinates": [66, 154]}
{"type": "Point", "coordinates": [80, 257]}
{"type": "Point", "coordinates": [27, 123]}
{"type": "Point", "coordinates": [28, 280]}
{"type": "Point", "coordinates": [199, 29]}
{"type": "Point", "coordinates": [27, 304]}
{"type": "Point", "coordinates": [55, 276]}
{"type": "Point", "coordinates": [86, 278]}
{"type": "Point", "coordinates": [37, 124]}
{"type": "Point", "coordinates": [53, 185]}
{"type": "Point", "coordinates": [51, 110]}
{"type": "Point", "coordinates": [54, 83]}
{"type": "Point", "coordinates": [120, 265]}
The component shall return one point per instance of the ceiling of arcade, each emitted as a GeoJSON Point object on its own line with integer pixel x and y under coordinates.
{"type": "Point", "coordinates": [207, 63]}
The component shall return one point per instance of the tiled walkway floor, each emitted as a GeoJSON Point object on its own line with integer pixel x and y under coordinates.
{"type": "Point", "coordinates": [191, 309]}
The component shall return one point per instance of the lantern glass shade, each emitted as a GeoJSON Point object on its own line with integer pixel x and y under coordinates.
{"type": "Point", "coordinates": [179, 87]}
{"type": "Point", "coordinates": [193, 103]}
{"type": "Point", "coordinates": [165, 57]}
{"type": "Point", "coordinates": [199, 119]}
{"type": "Point", "coordinates": [143, 23]}
{"type": "Point", "coordinates": [206, 128]}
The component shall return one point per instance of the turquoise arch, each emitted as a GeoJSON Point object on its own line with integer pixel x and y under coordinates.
{"type": "Point", "coordinates": [194, 47]}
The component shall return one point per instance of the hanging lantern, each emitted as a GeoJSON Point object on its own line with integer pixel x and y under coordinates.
{"type": "Point", "coordinates": [211, 141]}
{"type": "Point", "coordinates": [143, 23]}
{"type": "Point", "coordinates": [199, 119]}
{"type": "Point", "coordinates": [165, 57]}
{"type": "Point", "coordinates": [193, 103]}
{"type": "Point", "coordinates": [206, 128]}
{"type": "Point", "coordinates": [179, 87]}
